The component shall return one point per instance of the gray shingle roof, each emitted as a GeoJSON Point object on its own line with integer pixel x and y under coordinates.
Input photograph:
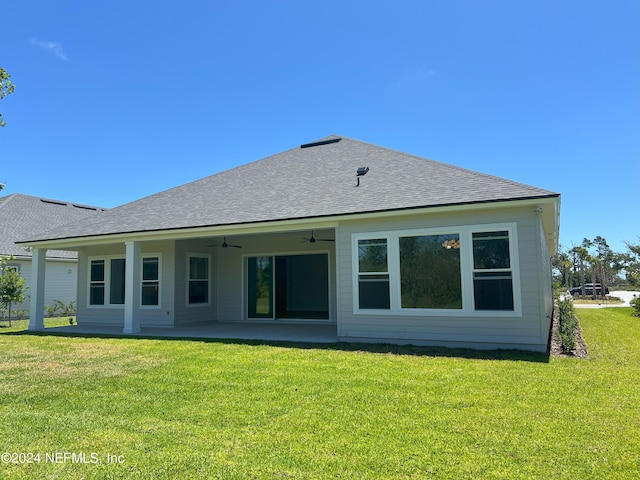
{"type": "Point", "coordinates": [316, 181]}
{"type": "Point", "coordinates": [23, 216]}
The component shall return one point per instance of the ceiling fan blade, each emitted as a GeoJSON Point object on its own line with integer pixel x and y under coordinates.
{"type": "Point", "coordinates": [224, 244]}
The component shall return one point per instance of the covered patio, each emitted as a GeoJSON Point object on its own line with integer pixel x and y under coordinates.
{"type": "Point", "coordinates": [310, 333]}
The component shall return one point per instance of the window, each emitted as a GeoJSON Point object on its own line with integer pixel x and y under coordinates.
{"type": "Point", "coordinates": [106, 281]}
{"type": "Point", "coordinates": [116, 290]}
{"type": "Point", "coordinates": [492, 275]}
{"type": "Point", "coordinates": [97, 285]}
{"type": "Point", "coordinates": [150, 281]}
{"type": "Point", "coordinates": [461, 271]}
{"type": "Point", "coordinates": [260, 287]}
{"type": "Point", "coordinates": [373, 274]}
{"type": "Point", "coordinates": [430, 272]}
{"type": "Point", "coordinates": [198, 280]}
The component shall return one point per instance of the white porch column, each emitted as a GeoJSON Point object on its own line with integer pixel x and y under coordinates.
{"type": "Point", "coordinates": [36, 290]}
{"type": "Point", "coordinates": [132, 288]}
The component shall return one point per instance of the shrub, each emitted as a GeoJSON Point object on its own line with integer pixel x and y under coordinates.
{"type": "Point", "coordinates": [635, 303]}
{"type": "Point", "coordinates": [65, 309]}
{"type": "Point", "coordinates": [13, 290]}
{"type": "Point", "coordinates": [567, 324]}
{"type": "Point", "coordinates": [51, 310]}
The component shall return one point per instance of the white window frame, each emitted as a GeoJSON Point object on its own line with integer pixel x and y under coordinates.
{"type": "Point", "coordinates": [245, 289]}
{"type": "Point", "coordinates": [142, 280]}
{"type": "Point", "coordinates": [360, 275]}
{"type": "Point", "coordinates": [511, 270]}
{"type": "Point", "coordinates": [207, 256]}
{"type": "Point", "coordinates": [107, 281]}
{"type": "Point", "coordinates": [398, 283]}
{"type": "Point", "coordinates": [466, 271]}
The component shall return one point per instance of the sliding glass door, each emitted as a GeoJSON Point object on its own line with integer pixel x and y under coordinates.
{"type": "Point", "coordinates": [288, 287]}
{"type": "Point", "coordinates": [260, 287]}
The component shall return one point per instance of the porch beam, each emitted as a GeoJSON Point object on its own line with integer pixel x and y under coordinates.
{"type": "Point", "coordinates": [132, 288]}
{"type": "Point", "coordinates": [36, 303]}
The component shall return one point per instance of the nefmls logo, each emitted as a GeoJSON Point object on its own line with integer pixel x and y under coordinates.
{"type": "Point", "coordinates": [71, 457]}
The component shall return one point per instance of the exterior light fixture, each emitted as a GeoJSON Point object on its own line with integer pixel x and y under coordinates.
{"type": "Point", "coordinates": [359, 173]}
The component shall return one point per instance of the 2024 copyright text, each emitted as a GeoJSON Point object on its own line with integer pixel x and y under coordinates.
{"type": "Point", "coordinates": [79, 458]}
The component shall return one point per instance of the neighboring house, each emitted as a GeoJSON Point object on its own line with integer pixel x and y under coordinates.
{"type": "Point", "coordinates": [410, 251]}
{"type": "Point", "coordinates": [23, 216]}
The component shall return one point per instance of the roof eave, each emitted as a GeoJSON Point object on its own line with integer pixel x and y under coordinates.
{"type": "Point", "coordinates": [550, 220]}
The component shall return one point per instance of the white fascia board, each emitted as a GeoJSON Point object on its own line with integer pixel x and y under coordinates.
{"type": "Point", "coordinates": [75, 243]}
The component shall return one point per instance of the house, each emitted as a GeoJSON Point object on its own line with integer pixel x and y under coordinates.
{"type": "Point", "coordinates": [382, 245]}
{"type": "Point", "coordinates": [22, 216]}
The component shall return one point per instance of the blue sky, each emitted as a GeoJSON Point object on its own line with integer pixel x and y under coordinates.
{"type": "Point", "coordinates": [118, 100]}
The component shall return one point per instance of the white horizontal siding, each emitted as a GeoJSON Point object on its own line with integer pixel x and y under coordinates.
{"type": "Point", "coordinates": [230, 273]}
{"type": "Point", "coordinates": [95, 315]}
{"type": "Point", "coordinates": [546, 282]}
{"type": "Point", "coordinates": [508, 332]}
{"type": "Point", "coordinates": [60, 281]}
{"type": "Point", "coordinates": [227, 289]}
{"type": "Point", "coordinates": [162, 316]}
{"type": "Point", "coordinates": [186, 314]}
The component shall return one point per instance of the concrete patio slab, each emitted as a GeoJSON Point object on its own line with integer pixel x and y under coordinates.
{"type": "Point", "coordinates": [313, 333]}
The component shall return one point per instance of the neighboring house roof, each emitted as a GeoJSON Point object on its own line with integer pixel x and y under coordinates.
{"type": "Point", "coordinates": [23, 216]}
{"type": "Point", "coordinates": [309, 181]}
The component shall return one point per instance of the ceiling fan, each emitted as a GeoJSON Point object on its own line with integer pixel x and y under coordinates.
{"type": "Point", "coordinates": [313, 239]}
{"type": "Point", "coordinates": [224, 244]}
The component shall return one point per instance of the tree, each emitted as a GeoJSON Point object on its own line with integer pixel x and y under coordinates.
{"type": "Point", "coordinates": [563, 264]}
{"type": "Point", "coordinates": [580, 255]}
{"type": "Point", "coordinates": [13, 289]}
{"type": "Point", "coordinates": [608, 261]}
{"type": "Point", "coordinates": [6, 87]}
{"type": "Point", "coordinates": [632, 263]}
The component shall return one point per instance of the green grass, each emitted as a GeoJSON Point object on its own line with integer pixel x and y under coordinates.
{"type": "Point", "coordinates": [21, 325]}
{"type": "Point", "coordinates": [192, 409]}
{"type": "Point", "coordinates": [587, 300]}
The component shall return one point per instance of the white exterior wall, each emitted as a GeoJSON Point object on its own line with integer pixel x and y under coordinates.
{"type": "Point", "coordinates": [227, 289]}
{"type": "Point", "coordinates": [191, 314]}
{"type": "Point", "coordinates": [527, 328]}
{"type": "Point", "coordinates": [231, 269]}
{"type": "Point", "coordinates": [227, 271]}
{"type": "Point", "coordinates": [525, 331]}
{"type": "Point", "coordinates": [60, 281]}
{"type": "Point", "coordinates": [157, 316]}
{"type": "Point", "coordinates": [546, 281]}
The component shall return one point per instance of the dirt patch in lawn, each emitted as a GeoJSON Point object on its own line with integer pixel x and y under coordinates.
{"type": "Point", "coordinates": [556, 350]}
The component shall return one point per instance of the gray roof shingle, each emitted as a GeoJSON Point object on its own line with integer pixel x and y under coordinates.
{"type": "Point", "coordinates": [23, 216]}
{"type": "Point", "coordinates": [304, 182]}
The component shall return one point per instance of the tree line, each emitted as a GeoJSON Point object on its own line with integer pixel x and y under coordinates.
{"type": "Point", "coordinates": [593, 261]}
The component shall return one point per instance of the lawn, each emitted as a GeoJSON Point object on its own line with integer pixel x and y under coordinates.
{"type": "Point", "coordinates": [141, 409]}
